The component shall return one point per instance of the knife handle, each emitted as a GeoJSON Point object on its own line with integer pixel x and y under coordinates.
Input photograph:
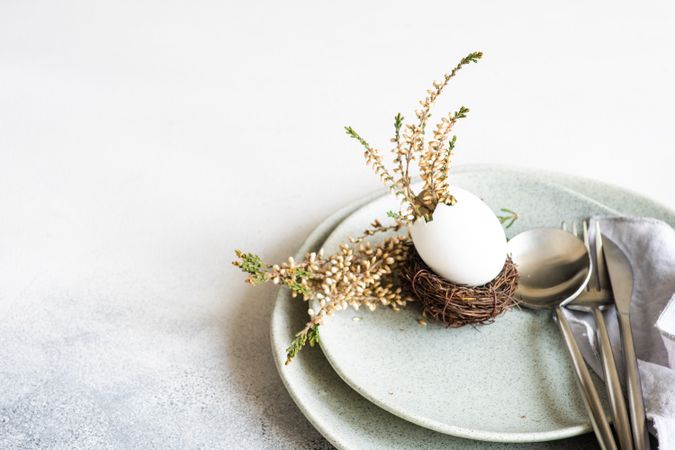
{"type": "Point", "coordinates": [614, 391]}
{"type": "Point", "coordinates": [634, 388]}
{"type": "Point", "coordinates": [590, 395]}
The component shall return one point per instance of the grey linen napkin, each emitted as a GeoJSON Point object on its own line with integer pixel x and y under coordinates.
{"type": "Point", "coordinates": [650, 247]}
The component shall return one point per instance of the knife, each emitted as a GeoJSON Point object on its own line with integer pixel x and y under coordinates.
{"type": "Point", "coordinates": [621, 279]}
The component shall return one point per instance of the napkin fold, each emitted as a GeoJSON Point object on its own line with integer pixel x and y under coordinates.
{"type": "Point", "coordinates": [649, 245]}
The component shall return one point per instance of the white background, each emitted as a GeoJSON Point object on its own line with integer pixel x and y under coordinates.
{"type": "Point", "coordinates": [141, 142]}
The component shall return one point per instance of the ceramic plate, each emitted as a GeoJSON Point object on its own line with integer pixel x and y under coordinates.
{"type": "Point", "coordinates": [350, 421]}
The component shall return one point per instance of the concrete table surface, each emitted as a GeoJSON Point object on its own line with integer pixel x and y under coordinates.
{"type": "Point", "coordinates": [142, 142]}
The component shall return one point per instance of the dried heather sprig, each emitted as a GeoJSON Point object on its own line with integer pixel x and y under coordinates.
{"type": "Point", "coordinates": [433, 157]}
{"type": "Point", "coordinates": [359, 274]}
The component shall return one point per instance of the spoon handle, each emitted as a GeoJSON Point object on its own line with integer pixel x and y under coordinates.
{"type": "Point", "coordinates": [590, 395]}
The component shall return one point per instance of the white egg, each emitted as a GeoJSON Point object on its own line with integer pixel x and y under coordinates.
{"type": "Point", "coordinates": [464, 243]}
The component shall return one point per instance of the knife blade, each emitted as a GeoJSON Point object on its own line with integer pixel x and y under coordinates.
{"type": "Point", "coordinates": [621, 279]}
{"type": "Point", "coordinates": [620, 275]}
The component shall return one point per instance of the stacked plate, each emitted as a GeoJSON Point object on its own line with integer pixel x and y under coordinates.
{"type": "Point", "coordinates": [384, 381]}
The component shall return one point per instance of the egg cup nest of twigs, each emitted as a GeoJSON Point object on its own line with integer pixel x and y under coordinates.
{"type": "Point", "coordinates": [457, 305]}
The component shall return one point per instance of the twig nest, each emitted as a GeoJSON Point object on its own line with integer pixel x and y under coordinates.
{"type": "Point", "coordinates": [464, 243]}
{"type": "Point", "coordinates": [457, 305]}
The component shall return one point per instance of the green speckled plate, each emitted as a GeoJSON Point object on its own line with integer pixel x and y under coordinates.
{"type": "Point", "coordinates": [510, 381]}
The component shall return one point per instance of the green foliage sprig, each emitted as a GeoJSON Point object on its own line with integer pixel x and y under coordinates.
{"type": "Point", "coordinates": [508, 217]}
{"type": "Point", "coordinates": [308, 335]}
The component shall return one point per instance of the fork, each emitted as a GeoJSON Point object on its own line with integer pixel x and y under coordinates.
{"type": "Point", "coordinates": [595, 299]}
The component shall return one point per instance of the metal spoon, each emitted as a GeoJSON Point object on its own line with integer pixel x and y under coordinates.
{"type": "Point", "coordinates": [554, 268]}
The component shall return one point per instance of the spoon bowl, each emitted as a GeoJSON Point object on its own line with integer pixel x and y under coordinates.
{"type": "Point", "coordinates": [554, 267]}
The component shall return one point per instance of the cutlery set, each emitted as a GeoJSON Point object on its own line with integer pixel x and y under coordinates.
{"type": "Point", "coordinates": [612, 283]}
{"type": "Point", "coordinates": [557, 272]}
{"type": "Point", "coordinates": [594, 299]}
